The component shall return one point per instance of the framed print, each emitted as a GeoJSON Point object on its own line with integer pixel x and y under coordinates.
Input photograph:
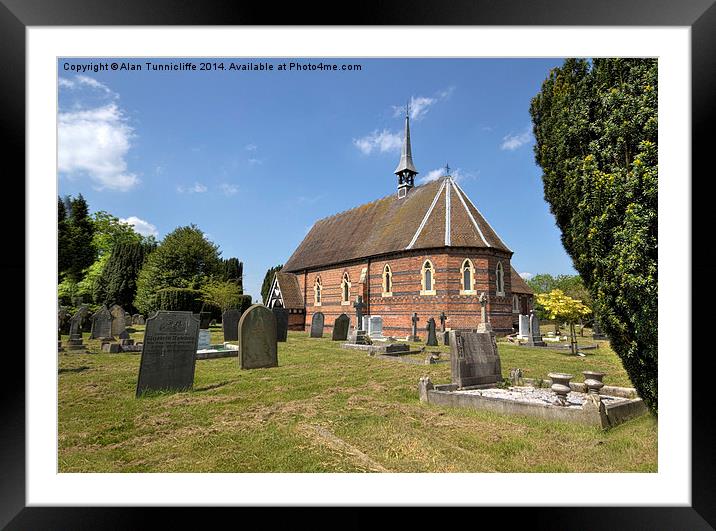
{"type": "Point", "coordinates": [245, 137]}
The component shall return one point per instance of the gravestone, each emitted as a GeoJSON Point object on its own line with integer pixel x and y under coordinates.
{"type": "Point", "coordinates": [597, 332]}
{"type": "Point", "coordinates": [535, 336]}
{"type": "Point", "coordinates": [204, 320]}
{"type": "Point", "coordinates": [360, 335]}
{"type": "Point", "coordinates": [340, 328]}
{"type": "Point", "coordinates": [101, 324]}
{"type": "Point", "coordinates": [414, 336]}
{"type": "Point", "coordinates": [117, 319]}
{"type": "Point", "coordinates": [281, 315]}
{"type": "Point", "coordinates": [375, 327]}
{"type": "Point", "coordinates": [76, 324]}
{"type": "Point", "coordinates": [446, 337]}
{"type": "Point", "coordinates": [524, 330]}
{"type": "Point", "coordinates": [204, 341]}
{"type": "Point", "coordinates": [138, 319]}
{"type": "Point", "coordinates": [63, 320]}
{"type": "Point", "coordinates": [317, 324]}
{"type": "Point", "coordinates": [484, 326]}
{"type": "Point", "coordinates": [127, 319]}
{"type": "Point", "coordinates": [257, 338]}
{"type": "Point", "coordinates": [168, 352]}
{"type": "Point", "coordinates": [230, 324]}
{"type": "Point", "coordinates": [432, 338]}
{"type": "Point", "coordinates": [474, 359]}
{"type": "Point", "coordinates": [443, 319]}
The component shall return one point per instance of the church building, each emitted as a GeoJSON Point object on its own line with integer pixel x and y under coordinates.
{"type": "Point", "coordinates": [424, 249]}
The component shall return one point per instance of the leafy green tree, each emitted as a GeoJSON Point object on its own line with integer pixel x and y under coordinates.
{"type": "Point", "coordinates": [268, 279]}
{"type": "Point", "coordinates": [595, 125]}
{"type": "Point", "coordinates": [222, 294]}
{"type": "Point", "coordinates": [78, 250]}
{"type": "Point", "coordinates": [233, 271]}
{"type": "Point", "coordinates": [561, 307]}
{"type": "Point", "coordinates": [64, 256]}
{"type": "Point", "coordinates": [541, 283]}
{"type": "Point", "coordinates": [184, 259]}
{"type": "Point", "coordinates": [117, 282]}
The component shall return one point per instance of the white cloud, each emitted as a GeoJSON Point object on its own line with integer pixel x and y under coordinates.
{"type": "Point", "coordinates": [379, 141]}
{"type": "Point", "coordinates": [512, 142]}
{"type": "Point", "coordinates": [95, 142]}
{"type": "Point", "coordinates": [457, 174]}
{"type": "Point", "coordinates": [229, 189]}
{"type": "Point", "coordinates": [526, 276]}
{"type": "Point", "coordinates": [256, 161]}
{"type": "Point", "coordinates": [82, 81]}
{"type": "Point", "coordinates": [250, 147]}
{"type": "Point", "coordinates": [142, 227]}
{"type": "Point", "coordinates": [66, 83]}
{"type": "Point", "coordinates": [419, 105]}
{"type": "Point", "coordinates": [197, 188]}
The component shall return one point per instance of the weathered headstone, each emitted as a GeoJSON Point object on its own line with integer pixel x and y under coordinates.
{"type": "Point", "coordinates": [415, 319]}
{"type": "Point", "coordinates": [340, 328]}
{"type": "Point", "coordinates": [101, 324]}
{"type": "Point", "coordinates": [474, 359]}
{"type": "Point", "coordinates": [317, 324]}
{"type": "Point", "coordinates": [375, 327]}
{"type": "Point", "coordinates": [138, 319]}
{"type": "Point", "coordinates": [597, 332]}
{"type": "Point", "coordinates": [446, 337]}
{"type": "Point", "coordinates": [127, 319]}
{"type": "Point", "coordinates": [443, 318]}
{"type": "Point", "coordinates": [168, 352]}
{"type": "Point", "coordinates": [230, 324]}
{"type": "Point", "coordinates": [432, 338]}
{"type": "Point", "coordinates": [483, 326]}
{"type": "Point", "coordinates": [281, 315]}
{"type": "Point", "coordinates": [117, 319]}
{"type": "Point", "coordinates": [257, 338]}
{"type": "Point", "coordinates": [63, 320]}
{"type": "Point", "coordinates": [204, 341]}
{"type": "Point", "coordinates": [76, 324]}
{"type": "Point", "coordinates": [524, 330]}
{"type": "Point", "coordinates": [535, 336]}
{"type": "Point", "coordinates": [360, 335]}
{"type": "Point", "coordinates": [204, 320]}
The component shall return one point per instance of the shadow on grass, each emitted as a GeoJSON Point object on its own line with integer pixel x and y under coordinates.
{"type": "Point", "coordinates": [73, 369]}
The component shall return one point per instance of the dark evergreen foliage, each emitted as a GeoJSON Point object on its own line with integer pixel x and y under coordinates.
{"type": "Point", "coordinates": [268, 279]}
{"type": "Point", "coordinates": [595, 125]}
{"type": "Point", "coordinates": [118, 282]}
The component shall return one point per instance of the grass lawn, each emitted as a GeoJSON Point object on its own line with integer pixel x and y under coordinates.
{"type": "Point", "coordinates": [325, 409]}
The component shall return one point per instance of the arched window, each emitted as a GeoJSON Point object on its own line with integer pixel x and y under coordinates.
{"type": "Point", "coordinates": [317, 287]}
{"type": "Point", "coordinates": [387, 281]}
{"type": "Point", "coordinates": [345, 289]}
{"type": "Point", "coordinates": [515, 304]}
{"type": "Point", "coordinates": [428, 279]}
{"type": "Point", "coordinates": [500, 279]}
{"type": "Point", "coordinates": [467, 278]}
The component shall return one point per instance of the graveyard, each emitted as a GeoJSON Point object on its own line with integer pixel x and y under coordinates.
{"type": "Point", "coordinates": [327, 409]}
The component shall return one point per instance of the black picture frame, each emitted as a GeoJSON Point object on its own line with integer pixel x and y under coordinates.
{"type": "Point", "coordinates": [698, 15]}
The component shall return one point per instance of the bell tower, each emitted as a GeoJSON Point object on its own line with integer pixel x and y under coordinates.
{"type": "Point", "coordinates": [406, 171]}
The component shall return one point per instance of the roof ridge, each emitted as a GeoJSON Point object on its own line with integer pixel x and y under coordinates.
{"type": "Point", "coordinates": [427, 215]}
{"type": "Point", "coordinates": [499, 240]}
{"type": "Point", "coordinates": [472, 218]}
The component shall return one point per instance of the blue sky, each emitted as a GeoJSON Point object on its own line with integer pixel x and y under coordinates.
{"type": "Point", "coordinates": [254, 158]}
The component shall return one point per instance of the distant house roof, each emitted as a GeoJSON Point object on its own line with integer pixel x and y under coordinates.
{"type": "Point", "coordinates": [436, 214]}
{"type": "Point", "coordinates": [290, 290]}
{"type": "Point", "coordinates": [518, 284]}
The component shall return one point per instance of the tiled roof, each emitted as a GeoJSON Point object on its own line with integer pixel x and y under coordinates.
{"type": "Point", "coordinates": [518, 284]}
{"type": "Point", "coordinates": [290, 290]}
{"type": "Point", "coordinates": [436, 214]}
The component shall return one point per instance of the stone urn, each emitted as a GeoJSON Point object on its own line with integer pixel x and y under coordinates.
{"type": "Point", "coordinates": [593, 381]}
{"type": "Point", "coordinates": [560, 387]}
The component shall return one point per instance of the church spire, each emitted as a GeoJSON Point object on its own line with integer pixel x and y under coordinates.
{"type": "Point", "coordinates": [406, 171]}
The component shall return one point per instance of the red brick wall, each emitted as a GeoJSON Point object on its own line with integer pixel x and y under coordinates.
{"type": "Point", "coordinates": [463, 311]}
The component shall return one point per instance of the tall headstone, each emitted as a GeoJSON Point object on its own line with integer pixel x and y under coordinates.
{"type": "Point", "coordinates": [168, 352]}
{"type": "Point", "coordinates": [204, 320]}
{"type": "Point", "coordinates": [257, 338]}
{"type": "Point", "coordinates": [415, 319]}
{"type": "Point", "coordinates": [281, 315]}
{"type": "Point", "coordinates": [317, 324]}
{"type": "Point", "coordinates": [474, 359]}
{"type": "Point", "coordinates": [484, 326]}
{"type": "Point", "coordinates": [340, 328]}
{"type": "Point", "coordinates": [535, 337]}
{"type": "Point", "coordinates": [63, 320]}
{"type": "Point", "coordinates": [230, 324]}
{"type": "Point", "coordinates": [597, 332]}
{"type": "Point", "coordinates": [101, 324]}
{"type": "Point", "coordinates": [118, 325]}
{"type": "Point", "coordinates": [204, 339]}
{"type": "Point", "coordinates": [360, 335]}
{"type": "Point", "coordinates": [524, 329]}
{"type": "Point", "coordinates": [76, 324]}
{"type": "Point", "coordinates": [127, 319]}
{"type": "Point", "coordinates": [443, 319]}
{"type": "Point", "coordinates": [432, 338]}
{"type": "Point", "coordinates": [375, 327]}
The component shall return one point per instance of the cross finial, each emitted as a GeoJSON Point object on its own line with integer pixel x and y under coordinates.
{"type": "Point", "coordinates": [407, 108]}
{"type": "Point", "coordinates": [447, 169]}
